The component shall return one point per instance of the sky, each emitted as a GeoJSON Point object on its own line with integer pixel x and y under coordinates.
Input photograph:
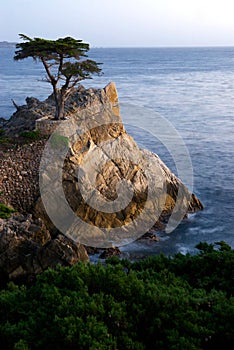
{"type": "Point", "coordinates": [122, 23]}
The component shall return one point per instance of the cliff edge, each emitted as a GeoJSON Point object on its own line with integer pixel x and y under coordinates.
{"type": "Point", "coordinates": [107, 181]}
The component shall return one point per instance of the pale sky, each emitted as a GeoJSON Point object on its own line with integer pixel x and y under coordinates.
{"type": "Point", "coordinates": [116, 23]}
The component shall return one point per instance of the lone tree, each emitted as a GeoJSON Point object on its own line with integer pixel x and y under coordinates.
{"type": "Point", "coordinates": [64, 62]}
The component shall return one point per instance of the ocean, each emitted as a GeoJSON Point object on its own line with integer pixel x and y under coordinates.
{"type": "Point", "coordinates": [193, 89]}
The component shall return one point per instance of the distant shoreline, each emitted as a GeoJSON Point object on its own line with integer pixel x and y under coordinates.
{"type": "Point", "coordinates": [4, 44]}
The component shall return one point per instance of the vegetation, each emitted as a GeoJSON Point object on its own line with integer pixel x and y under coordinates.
{"type": "Point", "coordinates": [185, 302]}
{"type": "Point", "coordinates": [3, 138]}
{"type": "Point", "coordinates": [58, 141]}
{"type": "Point", "coordinates": [5, 212]}
{"type": "Point", "coordinates": [64, 63]}
{"type": "Point", "coordinates": [31, 135]}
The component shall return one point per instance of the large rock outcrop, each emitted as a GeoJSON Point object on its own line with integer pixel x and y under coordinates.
{"type": "Point", "coordinates": [116, 190]}
{"type": "Point", "coordinates": [24, 119]}
{"type": "Point", "coordinates": [107, 181]}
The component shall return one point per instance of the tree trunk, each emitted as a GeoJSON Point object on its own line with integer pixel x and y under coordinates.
{"type": "Point", "coordinates": [60, 109]}
{"type": "Point", "coordinates": [60, 105]}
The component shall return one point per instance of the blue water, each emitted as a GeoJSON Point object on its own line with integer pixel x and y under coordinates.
{"type": "Point", "coordinates": [193, 88]}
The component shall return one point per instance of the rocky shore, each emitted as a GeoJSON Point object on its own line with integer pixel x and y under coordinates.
{"type": "Point", "coordinates": [31, 243]}
{"type": "Point", "coordinates": [27, 248]}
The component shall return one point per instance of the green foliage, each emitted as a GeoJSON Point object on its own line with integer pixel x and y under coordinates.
{"type": "Point", "coordinates": [64, 62]}
{"type": "Point", "coordinates": [38, 47]}
{"type": "Point", "coordinates": [159, 303]}
{"type": "Point", "coordinates": [58, 141]}
{"type": "Point", "coordinates": [31, 135]}
{"type": "Point", "coordinates": [3, 138]}
{"type": "Point", "coordinates": [5, 212]}
{"type": "Point", "coordinates": [21, 345]}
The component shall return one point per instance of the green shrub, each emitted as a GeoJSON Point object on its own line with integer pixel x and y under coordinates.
{"type": "Point", "coordinates": [3, 138]}
{"type": "Point", "coordinates": [58, 141]}
{"type": "Point", "coordinates": [31, 135]}
{"type": "Point", "coordinates": [5, 212]}
{"type": "Point", "coordinates": [159, 303]}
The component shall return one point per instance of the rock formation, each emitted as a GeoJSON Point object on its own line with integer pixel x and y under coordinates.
{"type": "Point", "coordinates": [117, 190]}
{"type": "Point", "coordinates": [25, 117]}
{"type": "Point", "coordinates": [107, 181]}
{"type": "Point", "coordinates": [27, 248]}
{"type": "Point", "coordinates": [2, 122]}
{"type": "Point", "coordinates": [19, 168]}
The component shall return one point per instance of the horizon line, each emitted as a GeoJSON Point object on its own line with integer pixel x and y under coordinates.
{"type": "Point", "coordinates": [160, 46]}
{"type": "Point", "coordinates": [142, 47]}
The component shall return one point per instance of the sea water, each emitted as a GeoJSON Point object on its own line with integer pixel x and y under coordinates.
{"type": "Point", "coordinates": [193, 88]}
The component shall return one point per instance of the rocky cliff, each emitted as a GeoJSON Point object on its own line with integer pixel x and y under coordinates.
{"type": "Point", "coordinates": [100, 188]}
{"type": "Point", "coordinates": [116, 190]}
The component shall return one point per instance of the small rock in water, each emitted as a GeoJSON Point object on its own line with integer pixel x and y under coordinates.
{"type": "Point", "coordinates": [108, 253]}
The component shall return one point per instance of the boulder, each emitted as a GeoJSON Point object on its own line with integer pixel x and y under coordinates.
{"type": "Point", "coordinates": [27, 248]}
{"type": "Point", "coordinates": [109, 253]}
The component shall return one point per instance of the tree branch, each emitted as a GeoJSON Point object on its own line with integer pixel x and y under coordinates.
{"type": "Point", "coordinates": [60, 63]}
{"type": "Point", "coordinates": [15, 105]}
{"type": "Point", "coordinates": [75, 82]}
{"type": "Point", "coordinates": [51, 77]}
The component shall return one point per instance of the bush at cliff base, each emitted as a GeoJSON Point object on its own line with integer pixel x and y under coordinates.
{"type": "Point", "coordinates": [180, 302]}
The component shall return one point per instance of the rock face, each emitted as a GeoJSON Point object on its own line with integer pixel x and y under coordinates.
{"type": "Point", "coordinates": [25, 117]}
{"type": "Point", "coordinates": [116, 190]}
{"type": "Point", "coordinates": [19, 168]}
{"type": "Point", "coordinates": [2, 122]}
{"type": "Point", "coordinates": [27, 248]}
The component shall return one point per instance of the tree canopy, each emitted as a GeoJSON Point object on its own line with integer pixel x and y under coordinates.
{"type": "Point", "coordinates": [64, 61]}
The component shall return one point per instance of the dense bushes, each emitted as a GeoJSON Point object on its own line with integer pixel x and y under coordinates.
{"type": "Point", "coordinates": [185, 302]}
